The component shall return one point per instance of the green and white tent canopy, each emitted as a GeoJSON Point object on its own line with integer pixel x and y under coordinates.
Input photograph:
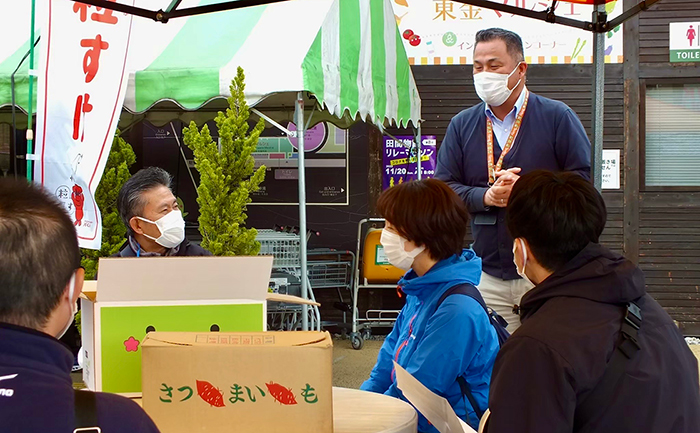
{"type": "Point", "coordinates": [348, 54]}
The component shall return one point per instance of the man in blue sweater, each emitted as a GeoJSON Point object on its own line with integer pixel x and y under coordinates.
{"type": "Point", "coordinates": [40, 281]}
{"type": "Point", "coordinates": [488, 146]}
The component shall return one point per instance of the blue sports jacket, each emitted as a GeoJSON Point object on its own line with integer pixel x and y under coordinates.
{"type": "Point", "coordinates": [438, 345]}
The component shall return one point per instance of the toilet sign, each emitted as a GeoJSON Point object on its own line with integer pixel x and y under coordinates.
{"type": "Point", "coordinates": [684, 39]}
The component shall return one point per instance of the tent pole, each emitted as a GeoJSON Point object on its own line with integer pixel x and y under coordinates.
{"type": "Point", "coordinates": [599, 15]}
{"type": "Point", "coordinates": [419, 146]}
{"type": "Point", "coordinates": [30, 131]}
{"type": "Point", "coordinates": [301, 132]}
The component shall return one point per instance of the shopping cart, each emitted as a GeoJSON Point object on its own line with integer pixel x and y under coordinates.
{"type": "Point", "coordinates": [285, 249]}
{"type": "Point", "coordinates": [373, 271]}
{"type": "Point", "coordinates": [333, 269]}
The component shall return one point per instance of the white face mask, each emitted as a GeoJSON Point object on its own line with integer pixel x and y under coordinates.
{"type": "Point", "coordinates": [74, 307]}
{"type": "Point", "coordinates": [172, 229]}
{"type": "Point", "coordinates": [521, 272]}
{"type": "Point", "coordinates": [492, 88]}
{"type": "Point", "coordinates": [394, 248]}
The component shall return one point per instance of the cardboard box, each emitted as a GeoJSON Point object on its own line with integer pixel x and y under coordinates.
{"type": "Point", "coordinates": [137, 295]}
{"type": "Point", "coordinates": [224, 382]}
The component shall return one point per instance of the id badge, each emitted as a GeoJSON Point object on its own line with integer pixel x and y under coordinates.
{"type": "Point", "coordinates": [485, 218]}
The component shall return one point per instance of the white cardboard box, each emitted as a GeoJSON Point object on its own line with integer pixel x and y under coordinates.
{"type": "Point", "coordinates": [133, 296]}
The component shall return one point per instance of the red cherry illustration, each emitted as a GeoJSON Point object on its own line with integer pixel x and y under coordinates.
{"type": "Point", "coordinates": [407, 34]}
{"type": "Point", "coordinates": [414, 40]}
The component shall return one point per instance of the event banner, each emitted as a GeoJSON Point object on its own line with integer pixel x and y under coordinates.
{"type": "Point", "coordinates": [81, 88]}
{"type": "Point", "coordinates": [442, 32]}
{"type": "Point", "coordinates": [400, 162]}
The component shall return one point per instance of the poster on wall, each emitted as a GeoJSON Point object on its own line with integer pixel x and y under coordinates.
{"type": "Point", "coordinates": [684, 42]}
{"type": "Point", "coordinates": [326, 162]}
{"type": "Point", "coordinates": [442, 32]}
{"type": "Point", "coordinates": [400, 161]}
{"type": "Point", "coordinates": [81, 88]}
{"type": "Point", "coordinates": [611, 169]}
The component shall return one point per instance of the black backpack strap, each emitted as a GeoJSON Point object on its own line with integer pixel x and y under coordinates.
{"type": "Point", "coordinates": [472, 292]}
{"type": "Point", "coordinates": [625, 350]}
{"type": "Point", "coordinates": [85, 412]}
{"type": "Point", "coordinates": [464, 386]}
{"type": "Point", "coordinates": [462, 289]}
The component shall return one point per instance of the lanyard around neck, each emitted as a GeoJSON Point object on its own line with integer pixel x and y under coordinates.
{"type": "Point", "coordinates": [509, 143]}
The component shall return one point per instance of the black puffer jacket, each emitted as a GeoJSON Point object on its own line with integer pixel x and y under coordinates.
{"type": "Point", "coordinates": [570, 327]}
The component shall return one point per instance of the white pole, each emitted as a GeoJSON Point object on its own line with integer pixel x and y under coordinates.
{"type": "Point", "coordinates": [419, 144]}
{"type": "Point", "coordinates": [301, 132]}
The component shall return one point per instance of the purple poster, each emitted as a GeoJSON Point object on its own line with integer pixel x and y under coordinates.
{"type": "Point", "coordinates": [400, 162]}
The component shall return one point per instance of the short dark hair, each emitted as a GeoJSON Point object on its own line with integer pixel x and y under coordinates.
{"type": "Point", "coordinates": [514, 44]}
{"type": "Point", "coordinates": [427, 212]}
{"type": "Point", "coordinates": [558, 214]}
{"type": "Point", "coordinates": [130, 202]}
{"type": "Point", "coordinates": [38, 253]}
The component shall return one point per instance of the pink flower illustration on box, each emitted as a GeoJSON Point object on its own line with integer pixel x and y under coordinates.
{"type": "Point", "coordinates": [132, 345]}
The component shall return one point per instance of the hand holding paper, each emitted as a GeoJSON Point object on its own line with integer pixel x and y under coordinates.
{"type": "Point", "coordinates": [435, 408]}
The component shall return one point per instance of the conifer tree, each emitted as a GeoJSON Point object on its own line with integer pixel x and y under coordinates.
{"type": "Point", "coordinates": [227, 176]}
{"type": "Point", "coordinates": [120, 158]}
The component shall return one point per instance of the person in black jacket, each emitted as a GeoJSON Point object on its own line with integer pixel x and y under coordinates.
{"type": "Point", "coordinates": [40, 281]}
{"type": "Point", "coordinates": [564, 370]}
{"type": "Point", "coordinates": [152, 217]}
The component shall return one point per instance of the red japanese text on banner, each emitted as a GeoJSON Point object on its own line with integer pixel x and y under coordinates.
{"type": "Point", "coordinates": [81, 88]}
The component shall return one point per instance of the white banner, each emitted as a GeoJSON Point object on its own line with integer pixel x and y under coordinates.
{"type": "Point", "coordinates": [442, 32]}
{"type": "Point", "coordinates": [80, 95]}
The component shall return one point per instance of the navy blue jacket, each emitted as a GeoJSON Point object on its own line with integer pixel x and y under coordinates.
{"type": "Point", "coordinates": [551, 137]}
{"type": "Point", "coordinates": [436, 345]}
{"type": "Point", "coordinates": [36, 391]}
{"type": "Point", "coordinates": [186, 248]}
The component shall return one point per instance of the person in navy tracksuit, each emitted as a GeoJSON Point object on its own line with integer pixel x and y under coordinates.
{"type": "Point", "coordinates": [40, 281]}
{"type": "Point", "coordinates": [426, 225]}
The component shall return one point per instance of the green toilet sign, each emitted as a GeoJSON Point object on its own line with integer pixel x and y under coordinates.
{"type": "Point", "coordinates": [684, 39]}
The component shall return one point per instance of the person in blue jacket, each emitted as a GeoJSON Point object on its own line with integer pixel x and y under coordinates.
{"type": "Point", "coordinates": [425, 226]}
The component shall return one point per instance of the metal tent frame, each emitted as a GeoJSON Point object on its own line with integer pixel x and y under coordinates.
{"type": "Point", "coordinates": [598, 25]}
{"type": "Point", "coordinates": [171, 12]}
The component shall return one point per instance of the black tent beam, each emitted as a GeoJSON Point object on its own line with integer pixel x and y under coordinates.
{"type": "Point", "coordinates": [118, 7]}
{"type": "Point", "coordinates": [644, 5]}
{"type": "Point", "coordinates": [546, 15]}
{"type": "Point", "coordinates": [173, 5]}
{"type": "Point", "coordinates": [172, 11]}
{"type": "Point", "coordinates": [217, 7]}
{"type": "Point", "coordinates": [549, 16]}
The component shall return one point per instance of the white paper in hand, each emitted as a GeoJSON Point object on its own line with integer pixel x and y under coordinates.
{"type": "Point", "coordinates": [435, 408]}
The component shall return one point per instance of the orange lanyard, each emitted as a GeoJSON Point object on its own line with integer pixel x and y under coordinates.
{"type": "Point", "coordinates": [511, 138]}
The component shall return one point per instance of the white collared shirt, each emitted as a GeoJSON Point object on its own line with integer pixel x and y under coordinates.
{"type": "Point", "coordinates": [502, 128]}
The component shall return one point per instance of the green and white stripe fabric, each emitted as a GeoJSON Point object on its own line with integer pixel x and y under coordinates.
{"type": "Point", "coordinates": [357, 64]}
{"type": "Point", "coordinates": [348, 53]}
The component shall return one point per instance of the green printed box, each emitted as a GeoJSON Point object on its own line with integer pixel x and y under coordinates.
{"type": "Point", "coordinates": [136, 296]}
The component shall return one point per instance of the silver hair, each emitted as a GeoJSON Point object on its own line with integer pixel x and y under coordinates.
{"type": "Point", "coordinates": [130, 202]}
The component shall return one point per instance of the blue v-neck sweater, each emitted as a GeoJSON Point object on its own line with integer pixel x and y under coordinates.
{"type": "Point", "coordinates": [551, 137]}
